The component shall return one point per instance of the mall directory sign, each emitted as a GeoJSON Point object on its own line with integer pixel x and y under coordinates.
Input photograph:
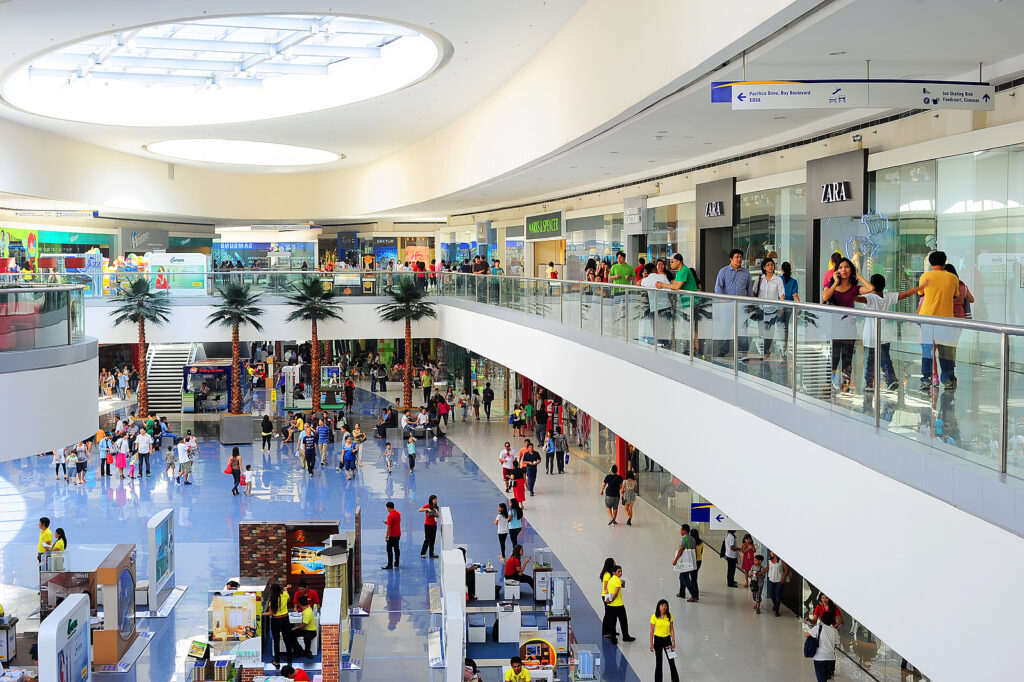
{"type": "Point", "coordinates": [64, 649]}
{"type": "Point", "coordinates": [544, 226]}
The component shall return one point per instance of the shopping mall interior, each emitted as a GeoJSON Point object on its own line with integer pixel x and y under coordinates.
{"type": "Point", "coordinates": [575, 340]}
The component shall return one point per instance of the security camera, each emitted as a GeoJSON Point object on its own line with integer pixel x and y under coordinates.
{"type": "Point", "coordinates": [857, 138]}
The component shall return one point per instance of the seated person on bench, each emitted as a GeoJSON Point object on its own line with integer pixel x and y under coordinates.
{"type": "Point", "coordinates": [408, 425]}
{"type": "Point", "coordinates": [383, 422]}
{"type": "Point", "coordinates": [470, 576]}
{"type": "Point", "coordinates": [422, 419]}
{"type": "Point", "coordinates": [306, 630]}
{"type": "Point", "coordinates": [516, 565]}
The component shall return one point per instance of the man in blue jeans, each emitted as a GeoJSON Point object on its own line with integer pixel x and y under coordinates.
{"type": "Point", "coordinates": [939, 289]}
{"type": "Point", "coordinates": [686, 579]}
{"type": "Point", "coordinates": [532, 460]}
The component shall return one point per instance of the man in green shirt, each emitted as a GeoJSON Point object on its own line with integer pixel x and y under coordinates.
{"type": "Point", "coordinates": [621, 273]}
{"type": "Point", "coordinates": [684, 276]}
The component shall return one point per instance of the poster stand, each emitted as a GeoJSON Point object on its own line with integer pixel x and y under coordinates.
{"type": "Point", "coordinates": [65, 651]}
{"type": "Point", "coordinates": [159, 594]}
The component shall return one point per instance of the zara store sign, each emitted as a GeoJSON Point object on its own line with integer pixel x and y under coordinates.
{"type": "Point", "coordinates": [714, 209]}
{"type": "Point", "coordinates": [716, 202]}
{"type": "Point", "coordinates": [839, 183]}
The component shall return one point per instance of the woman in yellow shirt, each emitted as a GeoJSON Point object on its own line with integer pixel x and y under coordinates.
{"type": "Point", "coordinates": [279, 625]}
{"type": "Point", "coordinates": [663, 637]}
{"type": "Point", "coordinates": [607, 625]}
{"type": "Point", "coordinates": [61, 541]}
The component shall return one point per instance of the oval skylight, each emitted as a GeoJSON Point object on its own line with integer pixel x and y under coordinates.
{"type": "Point", "coordinates": [241, 152]}
{"type": "Point", "coordinates": [222, 70]}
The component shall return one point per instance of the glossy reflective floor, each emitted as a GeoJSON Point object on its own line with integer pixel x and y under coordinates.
{"type": "Point", "coordinates": [106, 511]}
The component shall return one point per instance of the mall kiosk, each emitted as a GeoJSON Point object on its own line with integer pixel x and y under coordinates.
{"type": "Point", "coordinates": [215, 375]}
{"type": "Point", "coordinates": [291, 380]}
{"type": "Point", "coordinates": [332, 388]}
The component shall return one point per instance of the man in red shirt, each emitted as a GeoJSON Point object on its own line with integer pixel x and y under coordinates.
{"type": "Point", "coordinates": [308, 593]}
{"type": "Point", "coordinates": [639, 270]}
{"type": "Point", "coordinates": [394, 534]}
{"type": "Point", "coordinates": [293, 674]}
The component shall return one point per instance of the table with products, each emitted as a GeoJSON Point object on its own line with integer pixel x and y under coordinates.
{"type": "Point", "coordinates": [8, 638]}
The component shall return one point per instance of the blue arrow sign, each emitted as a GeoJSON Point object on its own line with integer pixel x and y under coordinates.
{"type": "Point", "coordinates": [720, 517]}
{"type": "Point", "coordinates": [741, 97]}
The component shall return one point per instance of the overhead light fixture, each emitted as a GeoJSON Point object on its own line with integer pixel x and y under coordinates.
{"type": "Point", "coordinates": [73, 213]}
{"type": "Point", "coordinates": [286, 227]}
{"type": "Point", "coordinates": [836, 54]}
{"type": "Point", "coordinates": [241, 152]}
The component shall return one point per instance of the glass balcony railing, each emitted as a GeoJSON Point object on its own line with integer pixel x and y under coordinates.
{"type": "Point", "coordinates": [955, 386]}
{"type": "Point", "coordinates": [39, 316]}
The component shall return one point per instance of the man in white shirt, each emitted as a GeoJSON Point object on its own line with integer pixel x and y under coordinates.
{"type": "Point", "coordinates": [184, 462]}
{"type": "Point", "coordinates": [507, 458]}
{"type": "Point", "coordinates": [144, 446]}
{"type": "Point", "coordinates": [730, 558]}
{"type": "Point", "coordinates": [404, 424]}
{"type": "Point", "coordinates": [825, 655]}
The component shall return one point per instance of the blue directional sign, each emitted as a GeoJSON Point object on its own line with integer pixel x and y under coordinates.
{"type": "Point", "coordinates": [700, 512]}
{"type": "Point", "coordinates": [854, 93]}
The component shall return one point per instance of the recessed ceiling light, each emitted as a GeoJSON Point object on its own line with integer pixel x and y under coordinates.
{"type": "Point", "coordinates": [613, 152]}
{"type": "Point", "coordinates": [241, 152]}
{"type": "Point", "coordinates": [223, 70]}
{"type": "Point", "coordinates": [706, 143]}
{"type": "Point", "coordinates": [779, 118]}
{"type": "Point", "coordinates": [663, 132]}
{"type": "Point", "coordinates": [836, 54]}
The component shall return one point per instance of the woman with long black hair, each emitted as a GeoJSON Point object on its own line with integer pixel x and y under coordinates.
{"type": "Point", "coordinates": [843, 292]}
{"type": "Point", "coordinates": [279, 626]}
{"type": "Point", "coordinates": [515, 522]}
{"type": "Point", "coordinates": [267, 432]}
{"type": "Point", "coordinates": [501, 521]}
{"type": "Point", "coordinates": [663, 638]}
{"type": "Point", "coordinates": [606, 573]}
{"type": "Point", "coordinates": [431, 512]}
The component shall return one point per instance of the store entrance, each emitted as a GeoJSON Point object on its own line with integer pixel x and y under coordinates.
{"type": "Point", "coordinates": [715, 245]}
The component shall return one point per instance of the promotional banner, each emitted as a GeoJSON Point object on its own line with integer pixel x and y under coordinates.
{"type": "Point", "coordinates": [179, 274]}
{"type": "Point", "coordinates": [64, 649]}
{"type": "Point", "coordinates": [160, 531]}
{"type": "Point", "coordinates": [19, 243]}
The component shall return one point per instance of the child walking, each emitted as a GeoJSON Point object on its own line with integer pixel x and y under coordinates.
{"type": "Point", "coordinates": [247, 477]}
{"type": "Point", "coordinates": [131, 465]}
{"type": "Point", "coordinates": [389, 456]}
{"type": "Point", "coordinates": [410, 448]}
{"type": "Point", "coordinates": [169, 460]}
{"type": "Point", "coordinates": [757, 573]}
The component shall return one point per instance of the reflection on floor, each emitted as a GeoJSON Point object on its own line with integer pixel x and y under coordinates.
{"type": "Point", "coordinates": [106, 510]}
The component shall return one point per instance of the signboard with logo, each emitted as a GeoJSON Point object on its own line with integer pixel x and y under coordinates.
{"type": "Point", "coordinates": [634, 215]}
{"type": "Point", "coordinates": [160, 531]}
{"type": "Point", "coordinates": [837, 185]}
{"type": "Point", "coordinates": [347, 240]}
{"type": "Point", "coordinates": [385, 249]}
{"type": "Point", "coordinates": [483, 228]}
{"type": "Point", "coordinates": [716, 203]}
{"type": "Point", "coordinates": [179, 274]}
{"type": "Point", "coordinates": [143, 239]}
{"type": "Point", "coordinates": [64, 648]}
{"type": "Point", "coordinates": [544, 226]}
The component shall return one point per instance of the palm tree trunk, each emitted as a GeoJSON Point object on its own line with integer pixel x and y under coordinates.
{"type": "Point", "coordinates": [315, 350]}
{"type": "Point", "coordinates": [236, 380]}
{"type": "Point", "coordinates": [141, 366]}
{"type": "Point", "coordinates": [278, 354]}
{"type": "Point", "coordinates": [329, 352]}
{"type": "Point", "coordinates": [407, 389]}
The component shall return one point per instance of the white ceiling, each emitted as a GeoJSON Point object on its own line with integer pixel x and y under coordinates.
{"type": "Point", "coordinates": [490, 41]}
{"type": "Point", "coordinates": [941, 39]}
{"type": "Point", "coordinates": [920, 39]}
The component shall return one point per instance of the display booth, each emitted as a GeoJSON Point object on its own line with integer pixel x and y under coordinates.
{"type": "Point", "coordinates": [235, 621]}
{"type": "Point", "coordinates": [332, 388]}
{"type": "Point", "coordinates": [206, 385]}
{"type": "Point", "coordinates": [115, 582]}
{"type": "Point", "coordinates": [302, 399]}
{"type": "Point", "coordinates": [159, 594]}
{"type": "Point", "coordinates": [64, 648]}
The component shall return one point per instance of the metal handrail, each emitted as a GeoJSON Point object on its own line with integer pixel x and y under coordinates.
{"type": "Point", "coordinates": [35, 287]}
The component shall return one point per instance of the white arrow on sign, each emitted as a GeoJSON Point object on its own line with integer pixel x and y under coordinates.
{"type": "Point", "coordinates": [719, 521]}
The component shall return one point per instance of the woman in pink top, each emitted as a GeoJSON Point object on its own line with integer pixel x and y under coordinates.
{"type": "Point", "coordinates": [843, 292]}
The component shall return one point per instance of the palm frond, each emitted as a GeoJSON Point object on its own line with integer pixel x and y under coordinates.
{"type": "Point", "coordinates": [139, 303]}
{"type": "Point", "coordinates": [238, 306]}
{"type": "Point", "coordinates": [311, 302]}
{"type": "Point", "coordinates": [408, 303]}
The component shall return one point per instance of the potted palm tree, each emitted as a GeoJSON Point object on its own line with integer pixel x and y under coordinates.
{"type": "Point", "coordinates": [408, 305]}
{"type": "Point", "coordinates": [312, 303]}
{"type": "Point", "coordinates": [238, 306]}
{"type": "Point", "coordinates": [138, 304]}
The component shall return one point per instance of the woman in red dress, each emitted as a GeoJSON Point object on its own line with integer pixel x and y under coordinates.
{"type": "Point", "coordinates": [518, 483]}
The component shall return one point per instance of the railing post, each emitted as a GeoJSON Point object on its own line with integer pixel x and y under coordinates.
{"type": "Point", "coordinates": [625, 320]}
{"type": "Point", "coordinates": [878, 371]}
{"type": "Point", "coordinates": [581, 306]}
{"type": "Point", "coordinates": [1004, 393]}
{"type": "Point", "coordinates": [600, 319]}
{"type": "Point", "coordinates": [561, 313]}
{"type": "Point", "coordinates": [735, 338]}
{"type": "Point", "coordinates": [692, 343]}
{"type": "Point", "coordinates": [67, 299]}
{"type": "Point", "coordinates": [795, 346]}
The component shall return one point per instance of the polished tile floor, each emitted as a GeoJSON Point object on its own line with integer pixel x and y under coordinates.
{"type": "Point", "coordinates": [105, 511]}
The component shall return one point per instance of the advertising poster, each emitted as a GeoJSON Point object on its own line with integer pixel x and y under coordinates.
{"type": "Point", "coordinates": [19, 243]}
{"type": "Point", "coordinates": [234, 617]}
{"type": "Point", "coordinates": [126, 604]}
{"type": "Point", "coordinates": [415, 254]}
{"type": "Point", "coordinates": [64, 648]}
{"type": "Point", "coordinates": [163, 550]}
{"type": "Point", "coordinates": [304, 546]}
{"type": "Point", "coordinates": [179, 274]}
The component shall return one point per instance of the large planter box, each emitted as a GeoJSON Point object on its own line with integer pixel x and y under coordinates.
{"type": "Point", "coordinates": [236, 429]}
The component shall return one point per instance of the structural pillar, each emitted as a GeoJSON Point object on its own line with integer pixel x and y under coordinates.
{"type": "Point", "coordinates": [621, 454]}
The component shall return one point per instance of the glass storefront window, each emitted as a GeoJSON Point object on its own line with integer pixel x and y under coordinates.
{"type": "Point", "coordinates": [774, 222]}
{"type": "Point", "coordinates": [673, 229]}
{"type": "Point", "coordinates": [597, 237]}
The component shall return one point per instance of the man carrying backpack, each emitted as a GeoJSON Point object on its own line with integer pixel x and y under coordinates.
{"type": "Point", "coordinates": [561, 448]}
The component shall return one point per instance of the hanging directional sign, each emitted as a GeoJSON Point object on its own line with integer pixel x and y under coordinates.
{"type": "Point", "coordinates": [852, 94]}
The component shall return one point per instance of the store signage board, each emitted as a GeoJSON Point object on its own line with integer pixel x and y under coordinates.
{"type": "Point", "coordinates": [837, 185]}
{"type": "Point", "coordinates": [544, 226]}
{"type": "Point", "coordinates": [483, 228]}
{"type": "Point", "coordinates": [634, 215]}
{"type": "Point", "coordinates": [64, 648]}
{"type": "Point", "coordinates": [854, 94]}
{"type": "Point", "coordinates": [139, 240]}
{"type": "Point", "coordinates": [716, 201]}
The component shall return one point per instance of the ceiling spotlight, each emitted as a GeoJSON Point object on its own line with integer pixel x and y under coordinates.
{"type": "Point", "coordinates": [836, 54]}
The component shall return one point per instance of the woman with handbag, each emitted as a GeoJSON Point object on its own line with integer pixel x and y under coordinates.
{"type": "Point", "coordinates": [663, 638]}
{"type": "Point", "coordinates": [235, 469]}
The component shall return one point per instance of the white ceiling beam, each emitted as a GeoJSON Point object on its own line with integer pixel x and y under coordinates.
{"type": "Point", "coordinates": [335, 51]}
{"type": "Point", "coordinates": [147, 78]}
{"type": "Point", "coordinates": [269, 23]}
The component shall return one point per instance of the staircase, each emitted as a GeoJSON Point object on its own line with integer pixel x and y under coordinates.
{"type": "Point", "coordinates": [165, 364]}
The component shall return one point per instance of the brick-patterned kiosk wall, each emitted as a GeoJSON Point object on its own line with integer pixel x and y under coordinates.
{"type": "Point", "coordinates": [331, 616]}
{"type": "Point", "coordinates": [263, 551]}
